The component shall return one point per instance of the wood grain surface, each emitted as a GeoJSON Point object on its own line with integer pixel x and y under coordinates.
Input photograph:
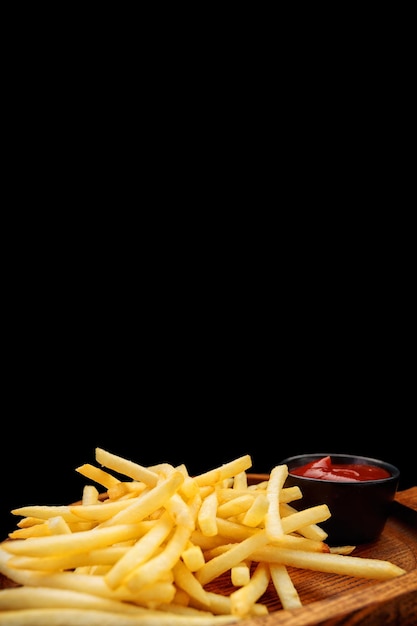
{"type": "Point", "coordinates": [334, 600]}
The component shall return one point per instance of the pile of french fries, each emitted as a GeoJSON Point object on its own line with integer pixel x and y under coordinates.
{"type": "Point", "coordinates": [146, 545]}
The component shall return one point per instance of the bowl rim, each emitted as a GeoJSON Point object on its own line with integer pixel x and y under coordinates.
{"type": "Point", "coordinates": [358, 458]}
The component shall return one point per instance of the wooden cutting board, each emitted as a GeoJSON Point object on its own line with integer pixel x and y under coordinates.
{"type": "Point", "coordinates": [334, 600]}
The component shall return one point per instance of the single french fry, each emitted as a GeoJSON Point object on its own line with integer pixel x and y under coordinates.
{"type": "Point", "coordinates": [102, 556]}
{"type": "Point", "coordinates": [240, 574]}
{"type": "Point", "coordinates": [49, 597]}
{"type": "Point", "coordinates": [234, 530]}
{"type": "Point", "coordinates": [90, 495]}
{"type": "Point", "coordinates": [92, 617]}
{"type": "Point", "coordinates": [311, 531]}
{"type": "Point", "coordinates": [235, 506]}
{"type": "Point", "coordinates": [204, 542]}
{"type": "Point", "coordinates": [193, 557]}
{"type": "Point", "coordinates": [289, 494]}
{"type": "Point", "coordinates": [230, 493]}
{"type": "Point", "coordinates": [342, 549]}
{"type": "Point", "coordinates": [284, 587]}
{"type": "Point", "coordinates": [74, 542]}
{"type": "Point", "coordinates": [46, 512]}
{"type": "Point", "coordinates": [26, 522]}
{"type": "Point", "coordinates": [207, 515]}
{"type": "Point", "coordinates": [227, 470]}
{"type": "Point", "coordinates": [58, 526]}
{"type": "Point", "coordinates": [306, 517]}
{"type": "Point", "coordinates": [273, 523]}
{"type": "Point", "coordinates": [240, 481]}
{"type": "Point", "coordinates": [343, 564]}
{"type": "Point", "coordinates": [37, 530]}
{"type": "Point", "coordinates": [98, 475]}
{"type": "Point", "coordinates": [126, 467]}
{"type": "Point", "coordinates": [100, 511]}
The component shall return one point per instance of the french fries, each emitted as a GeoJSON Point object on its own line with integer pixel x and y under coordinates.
{"type": "Point", "coordinates": [147, 550]}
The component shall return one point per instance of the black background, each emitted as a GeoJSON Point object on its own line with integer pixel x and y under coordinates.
{"type": "Point", "coordinates": [206, 267]}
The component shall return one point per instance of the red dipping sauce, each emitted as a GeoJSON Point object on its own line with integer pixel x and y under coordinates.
{"type": "Point", "coordinates": [325, 469]}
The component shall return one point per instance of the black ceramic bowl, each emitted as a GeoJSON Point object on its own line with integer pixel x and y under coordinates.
{"type": "Point", "coordinates": [359, 509]}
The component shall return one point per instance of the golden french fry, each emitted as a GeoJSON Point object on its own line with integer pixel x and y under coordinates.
{"type": "Point", "coordinates": [74, 542]}
{"type": "Point", "coordinates": [49, 597]}
{"type": "Point", "coordinates": [236, 531]}
{"type": "Point", "coordinates": [81, 617]}
{"type": "Point", "coordinates": [45, 512]}
{"type": "Point", "coordinates": [227, 470]}
{"type": "Point", "coordinates": [126, 467]}
{"type": "Point", "coordinates": [240, 574]}
{"type": "Point", "coordinates": [101, 556]}
{"type": "Point", "coordinates": [98, 475]}
{"type": "Point", "coordinates": [342, 549]}
{"type": "Point", "coordinates": [240, 481]}
{"type": "Point", "coordinates": [58, 526]}
{"type": "Point", "coordinates": [100, 511]}
{"type": "Point", "coordinates": [312, 530]}
{"type": "Point", "coordinates": [343, 564]}
{"type": "Point", "coordinates": [289, 494]}
{"type": "Point", "coordinates": [90, 495]}
{"type": "Point", "coordinates": [235, 506]}
{"type": "Point", "coordinates": [37, 530]}
{"type": "Point", "coordinates": [26, 522]}
{"type": "Point", "coordinates": [193, 557]}
{"type": "Point", "coordinates": [207, 515]}
{"type": "Point", "coordinates": [307, 517]}
{"type": "Point", "coordinates": [273, 523]}
{"type": "Point", "coordinates": [284, 586]}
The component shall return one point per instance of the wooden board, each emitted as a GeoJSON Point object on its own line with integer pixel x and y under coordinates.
{"type": "Point", "coordinates": [333, 600]}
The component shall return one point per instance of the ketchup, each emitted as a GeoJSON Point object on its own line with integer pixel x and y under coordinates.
{"type": "Point", "coordinates": [325, 469]}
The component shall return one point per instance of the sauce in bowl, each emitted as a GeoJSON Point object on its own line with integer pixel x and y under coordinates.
{"type": "Point", "coordinates": [326, 469]}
